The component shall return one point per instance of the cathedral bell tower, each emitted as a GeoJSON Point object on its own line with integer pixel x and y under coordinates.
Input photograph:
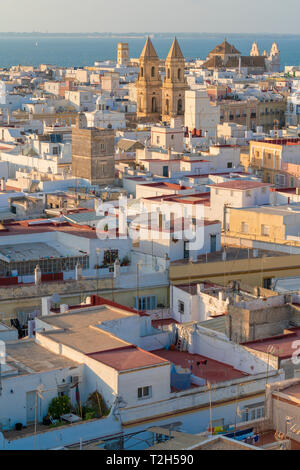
{"type": "Point", "coordinates": [174, 85]}
{"type": "Point", "coordinates": [148, 85]}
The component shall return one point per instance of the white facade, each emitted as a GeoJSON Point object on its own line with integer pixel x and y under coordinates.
{"type": "Point", "coordinates": [200, 114]}
{"type": "Point", "coordinates": [231, 196]}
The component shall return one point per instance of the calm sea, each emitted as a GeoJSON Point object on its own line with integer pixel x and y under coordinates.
{"type": "Point", "coordinates": [74, 51]}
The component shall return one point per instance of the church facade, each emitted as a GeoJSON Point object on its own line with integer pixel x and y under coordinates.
{"type": "Point", "coordinates": [225, 55]}
{"type": "Point", "coordinates": [157, 100]}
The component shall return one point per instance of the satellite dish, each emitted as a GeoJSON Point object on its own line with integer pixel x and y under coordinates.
{"type": "Point", "coordinates": [55, 298]}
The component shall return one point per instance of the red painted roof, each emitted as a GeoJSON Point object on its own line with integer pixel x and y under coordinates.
{"type": "Point", "coordinates": [280, 346]}
{"type": "Point", "coordinates": [127, 358]}
{"type": "Point", "coordinates": [214, 371]}
{"type": "Point", "coordinates": [26, 227]}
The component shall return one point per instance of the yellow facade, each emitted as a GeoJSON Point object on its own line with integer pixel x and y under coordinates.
{"type": "Point", "coordinates": [252, 271]}
{"type": "Point", "coordinates": [266, 157]}
{"type": "Point", "coordinates": [257, 225]}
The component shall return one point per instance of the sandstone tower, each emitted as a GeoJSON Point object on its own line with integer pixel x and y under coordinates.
{"type": "Point", "coordinates": [255, 50]}
{"type": "Point", "coordinates": [123, 54]}
{"type": "Point", "coordinates": [148, 85]}
{"type": "Point", "coordinates": [174, 86]}
{"type": "Point", "coordinates": [93, 153]}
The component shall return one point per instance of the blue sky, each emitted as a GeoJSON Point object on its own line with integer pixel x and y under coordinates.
{"type": "Point", "coordinates": [232, 16]}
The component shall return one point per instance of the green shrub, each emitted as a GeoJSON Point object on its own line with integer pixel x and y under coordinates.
{"type": "Point", "coordinates": [90, 415]}
{"type": "Point", "coordinates": [95, 403]}
{"type": "Point", "coordinates": [59, 406]}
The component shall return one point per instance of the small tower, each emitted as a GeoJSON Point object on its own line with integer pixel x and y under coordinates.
{"type": "Point", "coordinates": [81, 121]}
{"type": "Point", "coordinates": [148, 85]}
{"type": "Point", "coordinates": [174, 85]}
{"type": "Point", "coordinates": [255, 50]}
{"type": "Point", "coordinates": [37, 275]}
{"type": "Point", "coordinates": [274, 59]}
{"type": "Point", "coordinates": [123, 54]}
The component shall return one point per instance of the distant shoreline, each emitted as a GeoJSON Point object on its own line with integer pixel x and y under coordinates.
{"type": "Point", "coordinates": [34, 35]}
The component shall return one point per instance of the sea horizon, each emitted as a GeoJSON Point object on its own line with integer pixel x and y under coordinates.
{"type": "Point", "coordinates": [83, 49]}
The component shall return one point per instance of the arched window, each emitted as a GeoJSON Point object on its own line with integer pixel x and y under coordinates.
{"type": "Point", "coordinates": [153, 72]}
{"type": "Point", "coordinates": [153, 104]}
{"type": "Point", "coordinates": [179, 106]}
{"type": "Point", "coordinates": [142, 71]}
{"type": "Point", "coordinates": [140, 104]}
{"type": "Point", "coordinates": [179, 74]}
{"type": "Point", "coordinates": [169, 73]}
{"type": "Point", "coordinates": [167, 106]}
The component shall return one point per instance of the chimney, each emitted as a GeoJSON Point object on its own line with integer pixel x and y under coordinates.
{"type": "Point", "coordinates": [200, 288]}
{"type": "Point", "coordinates": [78, 272]}
{"type": "Point", "coordinates": [37, 275]}
{"type": "Point", "coordinates": [221, 295]}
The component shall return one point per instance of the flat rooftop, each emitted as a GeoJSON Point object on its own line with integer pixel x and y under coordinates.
{"type": "Point", "coordinates": [284, 209]}
{"type": "Point", "coordinates": [81, 329]}
{"type": "Point", "coordinates": [128, 358]}
{"type": "Point", "coordinates": [280, 346]}
{"type": "Point", "coordinates": [27, 357]}
{"type": "Point", "coordinates": [241, 185]}
{"type": "Point", "coordinates": [232, 253]}
{"type": "Point", "coordinates": [35, 251]}
{"type": "Point", "coordinates": [214, 371]}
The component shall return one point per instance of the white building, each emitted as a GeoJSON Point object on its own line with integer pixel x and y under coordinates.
{"type": "Point", "coordinates": [200, 114]}
{"type": "Point", "coordinates": [238, 193]}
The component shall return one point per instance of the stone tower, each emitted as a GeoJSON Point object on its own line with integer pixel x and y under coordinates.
{"type": "Point", "coordinates": [174, 85]}
{"type": "Point", "coordinates": [93, 154]}
{"type": "Point", "coordinates": [254, 51]}
{"type": "Point", "coordinates": [273, 61]}
{"type": "Point", "coordinates": [123, 54]}
{"type": "Point", "coordinates": [148, 85]}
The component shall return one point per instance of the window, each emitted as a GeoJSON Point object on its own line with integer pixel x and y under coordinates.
{"type": "Point", "coordinates": [267, 283]}
{"type": "Point", "coordinates": [157, 139]}
{"type": "Point", "coordinates": [181, 307]}
{"type": "Point", "coordinates": [167, 106]}
{"type": "Point", "coordinates": [55, 150]}
{"type": "Point", "coordinates": [229, 165]}
{"type": "Point", "coordinates": [144, 392]}
{"type": "Point", "coordinates": [169, 73]}
{"type": "Point", "coordinates": [153, 72]}
{"type": "Point", "coordinates": [248, 193]}
{"type": "Point", "coordinates": [179, 106]}
{"type": "Point", "coordinates": [153, 104]}
{"type": "Point", "coordinates": [244, 227]}
{"type": "Point", "coordinates": [110, 257]}
{"type": "Point", "coordinates": [265, 230]}
{"type": "Point", "coordinates": [179, 74]}
{"type": "Point", "coordinates": [256, 411]}
{"type": "Point", "coordinates": [148, 302]}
